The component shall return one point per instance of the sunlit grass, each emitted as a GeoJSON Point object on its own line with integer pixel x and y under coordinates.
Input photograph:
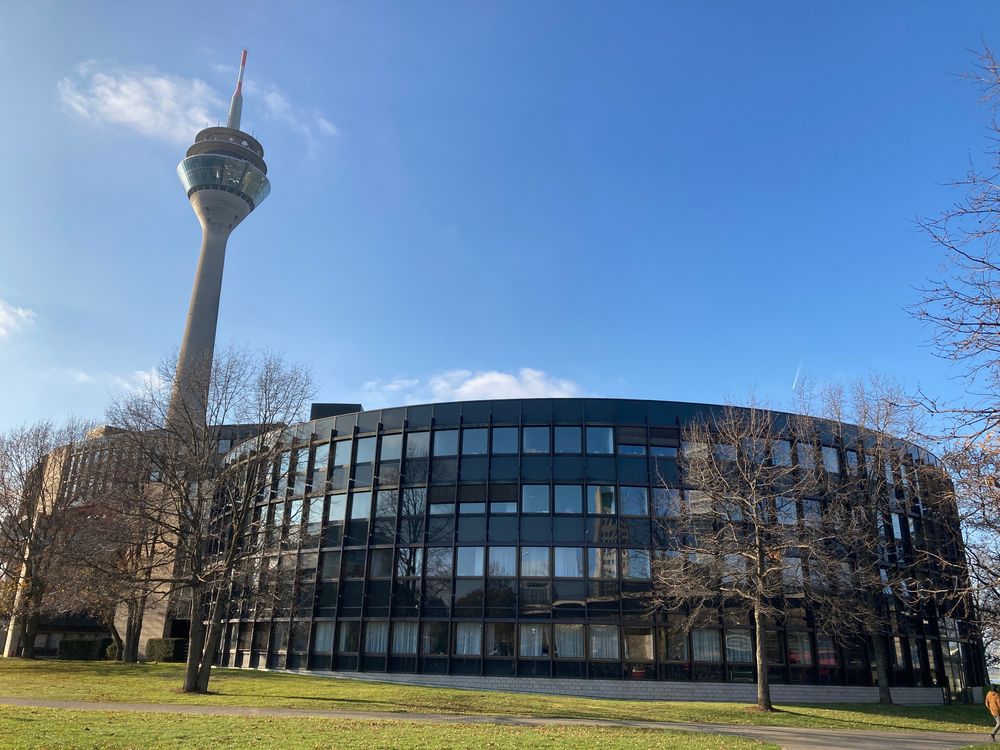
{"type": "Point", "coordinates": [160, 683]}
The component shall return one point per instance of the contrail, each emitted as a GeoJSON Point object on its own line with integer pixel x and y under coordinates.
{"type": "Point", "coordinates": [798, 371]}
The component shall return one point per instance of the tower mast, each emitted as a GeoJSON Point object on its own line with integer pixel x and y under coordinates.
{"type": "Point", "coordinates": [225, 177]}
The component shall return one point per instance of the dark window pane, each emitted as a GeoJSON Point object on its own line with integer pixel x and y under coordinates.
{"type": "Point", "coordinates": [568, 440]}
{"type": "Point", "coordinates": [408, 562]}
{"type": "Point", "coordinates": [385, 506]}
{"type": "Point", "coordinates": [535, 498]}
{"type": "Point", "coordinates": [392, 448]}
{"type": "Point", "coordinates": [631, 450]}
{"type": "Point", "coordinates": [412, 501]}
{"type": "Point", "coordinates": [569, 498]}
{"type": "Point", "coordinates": [474, 441]}
{"type": "Point", "coordinates": [635, 501]}
{"type": "Point", "coordinates": [366, 451]}
{"type": "Point", "coordinates": [354, 563]}
{"type": "Point", "coordinates": [434, 639]}
{"type": "Point", "coordinates": [417, 444]}
{"type": "Point", "coordinates": [380, 565]}
{"type": "Point", "coordinates": [504, 440]}
{"type": "Point", "coordinates": [600, 440]}
{"type": "Point", "coordinates": [439, 562]}
{"type": "Point", "coordinates": [499, 639]}
{"type": "Point", "coordinates": [446, 442]}
{"type": "Point", "coordinates": [535, 439]}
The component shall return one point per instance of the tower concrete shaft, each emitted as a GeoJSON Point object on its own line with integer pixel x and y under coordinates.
{"type": "Point", "coordinates": [226, 178]}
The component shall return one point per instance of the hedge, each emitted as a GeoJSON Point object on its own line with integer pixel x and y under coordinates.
{"type": "Point", "coordinates": [166, 649]}
{"type": "Point", "coordinates": [86, 650]}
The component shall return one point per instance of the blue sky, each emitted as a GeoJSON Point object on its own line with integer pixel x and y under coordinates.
{"type": "Point", "coordinates": [647, 200]}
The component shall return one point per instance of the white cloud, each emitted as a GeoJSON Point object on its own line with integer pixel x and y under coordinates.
{"type": "Point", "coordinates": [310, 124]}
{"type": "Point", "coordinates": [154, 104]}
{"type": "Point", "coordinates": [13, 318]}
{"type": "Point", "coordinates": [139, 380]}
{"type": "Point", "coordinates": [466, 385]}
{"type": "Point", "coordinates": [135, 381]}
{"type": "Point", "coordinates": [173, 108]}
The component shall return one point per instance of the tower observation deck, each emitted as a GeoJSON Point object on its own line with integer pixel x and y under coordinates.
{"type": "Point", "coordinates": [225, 177]}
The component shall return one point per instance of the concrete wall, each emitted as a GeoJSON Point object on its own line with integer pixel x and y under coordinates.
{"type": "Point", "coordinates": [653, 690]}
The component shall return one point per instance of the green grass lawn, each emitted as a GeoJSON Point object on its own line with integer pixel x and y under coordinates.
{"type": "Point", "coordinates": [160, 683]}
{"type": "Point", "coordinates": [23, 728]}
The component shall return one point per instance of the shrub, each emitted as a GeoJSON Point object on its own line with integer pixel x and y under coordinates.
{"type": "Point", "coordinates": [165, 649]}
{"type": "Point", "coordinates": [86, 650]}
{"type": "Point", "coordinates": [111, 652]}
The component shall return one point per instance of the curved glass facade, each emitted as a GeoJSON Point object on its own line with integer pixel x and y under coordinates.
{"type": "Point", "coordinates": [516, 537]}
{"type": "Point", "coordinates": [217, 172]}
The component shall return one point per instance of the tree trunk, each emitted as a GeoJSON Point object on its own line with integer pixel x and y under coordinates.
{"type": "Point", "coordinates": [882, 669]}
{"type": "Point", "coordinates": [215, 629]}
{"type": "Point", "coordinates": [763, 684]}
{"type": "Point", "coordinates": [28, 638]}
{"type": "Point", "coordinates": [196, 643]}
{"type": "Point", "coordinates": [133, 629]}
{"type": "Point", "coordinates": [115, 636]}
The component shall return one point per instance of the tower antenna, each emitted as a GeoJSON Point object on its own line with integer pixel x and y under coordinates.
{"type": "Point", "coordinates": [236, 106]}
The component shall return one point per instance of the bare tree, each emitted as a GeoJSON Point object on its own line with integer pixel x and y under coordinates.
{"type": "Point", "coordinates": [38, 504]}
{"type": "Point", "coordinates": [741, 538]}
{"type": "Point", "coordinates": [206, 509]}
{"type": "Point", "coordinates": [962, 309]}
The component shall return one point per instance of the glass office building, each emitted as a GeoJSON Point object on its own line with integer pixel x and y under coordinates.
{"type": "Point", "coordinates": [516, 538]}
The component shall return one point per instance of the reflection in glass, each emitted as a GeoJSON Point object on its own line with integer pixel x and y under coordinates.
{"type": "Point", "coordinates": [600, 499]}
{"type": "Point", "coordinates": [504, 440]}
{"type": "Point", "coordinates": [392, 448]}
{"type": "Point", "coordinates": [600, 440]}
{"type": "Point", "coordinates": [474, 441]}
{"type": "Point", "coordinates": [535, 498]}
{"type": "Point", "coordinates": [446, 442]}
{"type": "Point", "coordinates": [469, 562]}
{"type": "Point", "coordinates": [535, 439]}
{"type": "Point", "coordinates": [569, 498]}
{"type": "Point", "coordinates": [568, 440]}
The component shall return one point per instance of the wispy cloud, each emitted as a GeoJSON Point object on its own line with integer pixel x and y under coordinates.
{"type": "Point", "coordinates": [466, 385]}
{"type": "Point", "coordinates": [135, 381]}
{"type": "Point", "coordinates": [309, 123]}
{"type": "Point", "coordinates": [13, 318]}
{"type": "Point", "coordinates": [173, 108]}
{"type": "Point", "coordinates": [154, 104]}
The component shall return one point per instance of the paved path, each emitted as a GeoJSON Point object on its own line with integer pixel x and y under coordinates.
{"type": "Point", "coordinates": [790, 738]}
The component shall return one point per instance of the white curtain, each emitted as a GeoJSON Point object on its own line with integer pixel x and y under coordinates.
{"type": "Point", "coordinates": [322, 638]}
{"type": "Point", "coordinates": [376, 637]}
{"type": "Point", "coordinates": [604, 642]}
{"type": "Point", "coordinates": [534, 640]}
{"type": "Point", "coordinates": [404, 638]}
{"type": "Point", "coordinates": [569, 562]}
{"type": "Point", "coordinates": [569, 641]}
{"type": "Point", "coordinates": [468, 639]}
{"type": "Point", "coordinates": [705, 645]}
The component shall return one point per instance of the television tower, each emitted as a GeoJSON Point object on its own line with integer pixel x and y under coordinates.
{"type": "Point", "coordinates": [225, 177]}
